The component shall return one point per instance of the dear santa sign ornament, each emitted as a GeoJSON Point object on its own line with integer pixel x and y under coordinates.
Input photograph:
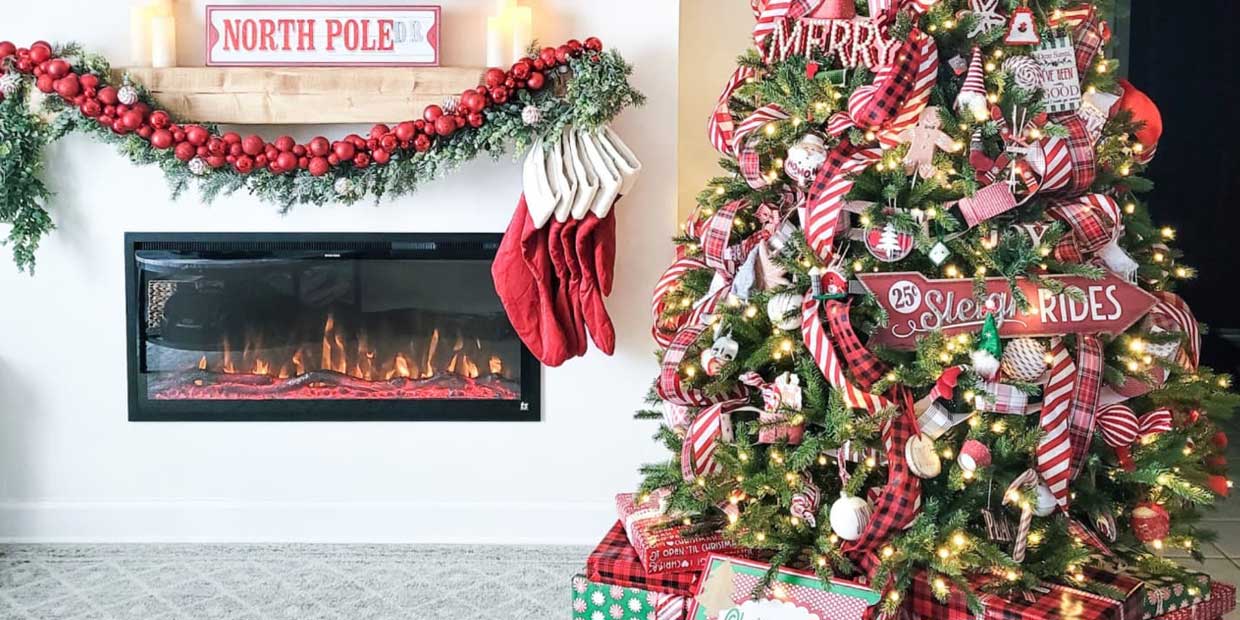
{"type": "Point", "coordinates": [917, 306]}
{"type": "Point", "coordinates": [323, 36]}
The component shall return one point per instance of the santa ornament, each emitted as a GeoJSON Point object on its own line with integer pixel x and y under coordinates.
{"type": "Point", "coordinates": [805, 158]}
{"type": "Point", "coordinates": [1023, 29]}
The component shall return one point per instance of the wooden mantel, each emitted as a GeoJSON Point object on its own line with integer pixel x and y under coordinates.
{"type": "Point", "coordinates": [301, 96]}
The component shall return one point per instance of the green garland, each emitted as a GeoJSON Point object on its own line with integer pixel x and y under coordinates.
{"type": "Point", "coordinates": [594, 91]}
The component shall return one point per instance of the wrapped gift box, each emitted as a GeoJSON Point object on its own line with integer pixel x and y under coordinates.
{"type": "Point", "coordinates": [615, 562]}
{"type": "Point", "coordinates": [1049, 601]}
{"type": "Point", "coordinates": [1221, 601]}
{"type": "Point", "coordinates": [728, 583]}
{"type": "Point", "coordinates": [1164, 595]}
{"type": "Point", "coordinates": [593, 600]}
{"type": "Point", "coordinates": [663, 548]}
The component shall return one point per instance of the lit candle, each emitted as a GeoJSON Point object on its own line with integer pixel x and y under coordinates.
{"type": "Point", "coordinates": [139, 33]}
{"type": "Point", "coordinates": [497, 44]}
{"type": "Point", "coordinates": [163, 41]}
{"type": "Point", "coordinates": [522, 31]}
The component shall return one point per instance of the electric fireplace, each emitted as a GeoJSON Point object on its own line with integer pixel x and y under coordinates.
{"type": "Point", "coordinates": [301, 327]}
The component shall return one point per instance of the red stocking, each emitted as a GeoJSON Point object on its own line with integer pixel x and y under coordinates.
{"type": "Point", "coordinates": [602, 332]}
{"type": "Point", "coordinates": [561, 297]}
{"type": "Point", "coordinates": [523, 277]}
{"type": "Point", "coordinates": [568, 245]}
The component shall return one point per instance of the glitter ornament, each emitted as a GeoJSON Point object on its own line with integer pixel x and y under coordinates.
{"type": "Point", "coordinates": [198, 166]}
{"type": "Point", "coordinates": [974, 455]}
{"type": "Point", "coordinates": [1024, 360]}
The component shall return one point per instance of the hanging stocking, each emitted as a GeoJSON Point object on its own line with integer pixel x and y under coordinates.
{"type": "Point", "coordinates": [524, 280]}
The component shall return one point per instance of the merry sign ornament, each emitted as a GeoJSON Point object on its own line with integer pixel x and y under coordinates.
{"type": "Point", "coordinates": [917, 306]}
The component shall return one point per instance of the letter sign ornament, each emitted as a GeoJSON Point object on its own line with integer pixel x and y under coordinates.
{"type": "Point", "coordinates": [323, 36]}
{"type": "Point", "coordinates": [917, 306]}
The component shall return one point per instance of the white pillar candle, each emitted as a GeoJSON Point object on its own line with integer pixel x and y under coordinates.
{"type": "Point", "coordinates": [497, 43]}
{"type": "Point", "coordinates": [522, 31]}
{"type": "Point", "coordinates": [163, 41]}
{"type": "Point", "coordinates": [139, 34]}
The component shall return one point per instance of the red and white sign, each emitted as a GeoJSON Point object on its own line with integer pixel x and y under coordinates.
{"type": "Point", "coordinates": [918, 306]}
{"type": "Point", "coordinates": [323, 36]}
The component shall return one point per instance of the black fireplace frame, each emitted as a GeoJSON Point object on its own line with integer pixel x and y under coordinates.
{"type": "Point", "coordinates": [464, 246]}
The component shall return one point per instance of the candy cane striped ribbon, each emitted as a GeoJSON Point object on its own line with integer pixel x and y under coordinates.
{"type": "Point", "coordinates": [745, 141]}
{"type": "Point", "coordinates": [925, 74]}
{"type": "Point", "coordinates": [697, 457]}
{"type": "Point", "coordinates": [669, 607]}
{"type": "Point", "coordinates": [1054, 450]}
{"type": "Point", "coordinates": [828, 361]}
{"type": "Point", "coordinates": [821, 212]}
{"type": "Point", "coordinates": [662, 330]}
{"type": "Point", "coordinates": [771, 12]}
{"type": "Point", "coordinates": [1171, 310]}
{"type": "Point", "coordinates": [720, 128]}
{"type": "Point", "coordinates": [1086, 390]}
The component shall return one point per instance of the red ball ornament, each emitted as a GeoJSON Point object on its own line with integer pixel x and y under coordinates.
{"type": "Point", "coordinates": [197, 135]}
{"type": "Point", "coordinates": [185, 151]}
{"type": "Point", "coordinates": [405, 131]}
{"type": "Point", "coordinates": [299, 150]}
{"type": "Point", "coordinates": [57, 68]}
{"type": "Point", "coordinates": [286, 161]}
{"type": "Point", "coordinates": [494, 77]}
{"type": "Point", "coordinates": [382, 156]}
{"type": "Point", "coordinates": [1216, 463]}
{"type": "Point", "coordinates": [344, 150]}
{"type": "Point", "coordinates": [132, 119]}
{"type": "Point", "coordinates": [40, 51]}
{"type": "Point", "coordinates": [594, 44]}
{"type": "Point", "coordinates": [24, 65]}
{"type": "Point", "coordinates": [285, 144]}
{"type": "Point", "coordinates": [547, 55]}
{"type": "Point", "coordinates": [473, 101]}
{"type": "Point", "coordinates": [161, 138]}
{"type": "Point", "coordinates": [1150, 522]}
{"type": "Point", "coordinates": [499, 94]}
{"type": "Point", "coordinates": [388, 142]}
{"type": "Point", "coordinates": [243, 164]}
{"type": "Point", "coordinates": [260, 160]}
{"type": "Point", "coordinates": [357, 140]}
{"type": "Point", "coordinates": [536, 81]}
{"type": "Point", "coordinates": [235, 150]}
{"type": "Point", "coordinates": [521, 70]}
{"type": "Point", "coordinates": [422, 143]}
{"type": "Point", "coordinates": [118, 126]}
{"type": "Point", "coordinates": [145, 132]}
{"type": "Point", "coordinates": [160, 119]}
{"type": "Point", "coordinates": [476, 120]}
{"type": "Point", "coordinates": [361, 160]}
{"type": "Point", "coordinates": [271, 151]}
{"type": "Point", "coordinates": [1219, 441]}
{"type": "Point", "coordinates": [253, 145]}
{"type": "Point", "coordinates": [89, 80]}
{"type": "Point", "coordinates": [333, 160]}
{"type": "Point", "coordinates": [107, 95]}
{"type": "Point", "coordinates": [303, 162]}
{"type": "Point", "coordinates": [232, 137]}
{"type": "Point", "coordinates": [562, 54]}
{"type": "Point", "coordinates": [445, 126]}
{"type": "Point", "coordinates": [1143, 110]}
{"type": "Point", "coordinates": [1219, 485]}
{"type": "Point", "coordinates": [575, 46]}
{"type": "Point", "coordinates": [105, 120]}
{"type": "Point", "coordinates": [320, 147]}
{"type": "Point", "coordinates": [378, 131]}
{"type": "Point", "coordinates": [318, 166]}
{"type": "Point", "coordinates": [91, 108]}
{"type": "Point", "coordinates": [201, 151]}
{"type": "Point", "coordinates": [216, 146]}
{"type": "Point", "coordinates": [7, 49]}
{"type": "Point", "coordinates": [432, 113]}
{"type": "Point", "coordinates": [217, 161]}
{"type": "Point", "coordinates": [45, 83]}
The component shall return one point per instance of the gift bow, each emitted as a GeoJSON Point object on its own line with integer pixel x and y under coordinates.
{"type": "Point", "coordinates": [1121, 429]}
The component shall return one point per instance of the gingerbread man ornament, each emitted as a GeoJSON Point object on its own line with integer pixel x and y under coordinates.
{"type": "Point", "coordinates": [923, 140]}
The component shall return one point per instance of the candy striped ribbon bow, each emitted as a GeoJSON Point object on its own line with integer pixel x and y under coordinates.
{"type": "Point", "coordinates": [1121, 429]}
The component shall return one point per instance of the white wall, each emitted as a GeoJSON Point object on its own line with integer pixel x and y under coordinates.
{"type": "Point", "coordinates": [73, 468]}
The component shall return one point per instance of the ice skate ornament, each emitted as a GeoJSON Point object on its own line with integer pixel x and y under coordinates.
{"type": "Point", "coordinates": [986, 16]}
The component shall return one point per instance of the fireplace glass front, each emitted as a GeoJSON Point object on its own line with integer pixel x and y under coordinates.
{"type": "Point", "coordinates": [286, 327]}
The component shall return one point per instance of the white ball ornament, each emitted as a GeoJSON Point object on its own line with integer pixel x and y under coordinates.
{"type": "Point", "coordinates": [197, 166]}
{"type": "Point", "coordinates": [343, 186]}
{"type": "Point", "coordinates": [1024, 360]}
{"type": "Point", "coordinates": [127, 95]}
{"type": "Point", "coordinates": [784, 310]}
{"type": "Point", "coordinates": [1046, 503]}
{"type": "Point", "coordinates": [805, 158]}
{"type": "Point", "coordinates": [9, 83]}
{"type": "Point", "coordinates": [849, 516]}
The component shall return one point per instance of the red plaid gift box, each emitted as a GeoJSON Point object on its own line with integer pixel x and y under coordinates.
{"type": "Point", "coordinates": [615, 562]}
{"type": "Point", "coordinates": [1050, 601]}
{"type": "Point", "coordinates": [664, 549]}
{"type": "Point", "coordinates": [1222, 601]}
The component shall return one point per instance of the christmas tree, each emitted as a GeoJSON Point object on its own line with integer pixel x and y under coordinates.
{"type": "Point", "coordinates": [1013, 391]}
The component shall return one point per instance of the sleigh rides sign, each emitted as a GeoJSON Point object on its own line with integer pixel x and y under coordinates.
{"type": "Point", "coordinates": [323, 36]}
{"type": "Point", "coordinates": [917, 306]}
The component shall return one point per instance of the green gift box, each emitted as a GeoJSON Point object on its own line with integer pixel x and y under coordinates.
{"type": "Point", "coordinates": [1164, 595]}
{"type": "Point", "coordinates": [599, 601]}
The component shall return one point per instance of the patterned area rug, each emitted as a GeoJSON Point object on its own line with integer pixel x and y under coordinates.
{"type": "Point", "coordinates": [286, 582]}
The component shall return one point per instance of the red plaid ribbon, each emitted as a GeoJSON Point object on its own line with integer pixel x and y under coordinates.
{"type": "Point", "coordinates": [745, 140]}
{"type": "Point", "coordinates": [1089, 35]}
{"type": "Point", "coordinates": [1081, 152]}
{"type": "Point", "coordinates": [898, 502]}
{"type": "Point", "coordinates": [615, 562]}
{"type": "Point", "coordinates": [1089, 367]}
{"type": "Point", "coordinates": [1095, 222]}
{"type": "Point", "coordinates": [820, 215]}
{"type": "Point", "coordinates": [716, 236]}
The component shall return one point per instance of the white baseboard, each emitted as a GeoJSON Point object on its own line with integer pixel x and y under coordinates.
{"type": "Point", "coordinates": [562, 523]}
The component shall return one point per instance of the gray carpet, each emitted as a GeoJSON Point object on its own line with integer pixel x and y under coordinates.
{"type": "Point", "coordinates": [286, 582]}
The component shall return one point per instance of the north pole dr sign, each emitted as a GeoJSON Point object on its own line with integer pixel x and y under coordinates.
{"type": "Point", "coordinates": [323, 36]}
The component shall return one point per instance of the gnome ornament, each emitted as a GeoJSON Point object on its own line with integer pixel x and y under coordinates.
{"type": "Point", "coordinates": [1023, 29]}
{"type": "Point", "coordinates": [849, 516]}
{"type": "Point", "coordinates": [989, 348]}
{"type": "Point", "coordinates": [720, 354]}
{"type": "Point", "coordinates": [972, 97]}
{"type": "Point", "coordinates": [974, 455]}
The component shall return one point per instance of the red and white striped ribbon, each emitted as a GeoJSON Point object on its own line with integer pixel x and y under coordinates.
{"type": "Point", "coordinates": [697, 458]}
{"type": "Point", "coordinates": [820, 214]}
{"type": "Point", "coordinates": [828, 361]}
{"type": "Point", "coordinates": [662, 331]}
{"type": "Point", "coordinates": [1054, 450]}
{"type": "Point", "coordinates": [1156, 422]}
{"type": "Point", "coordinates": [720, 129]}
{"type": "Point", "coordinates": [669, 606]}
{"type": "Point", "coordinates": [769, 14]}
{"type": "Point", "coordinates": [1174, 313]}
